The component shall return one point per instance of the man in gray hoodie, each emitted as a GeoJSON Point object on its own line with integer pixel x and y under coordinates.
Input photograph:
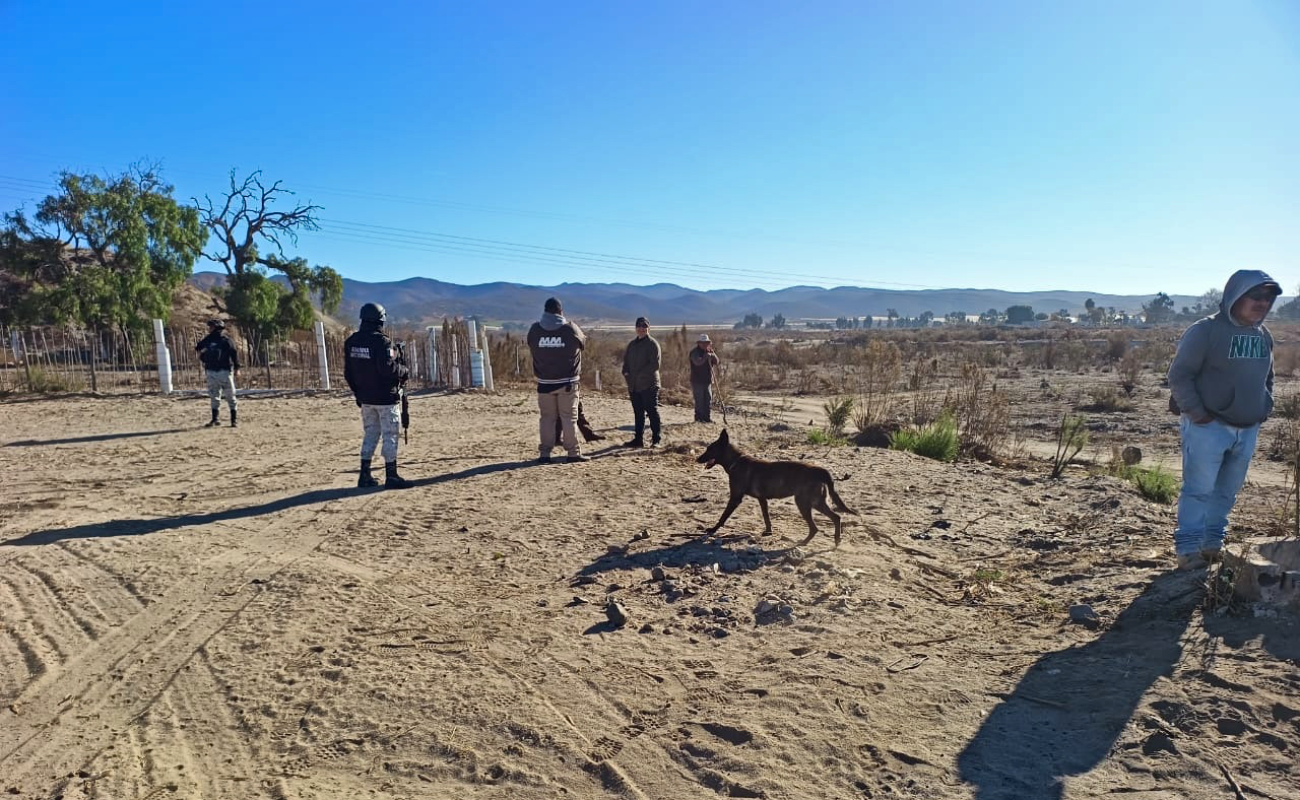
{"type": "Point", "coordinates": [1221, 380]}
{"type": "Point", "coordinates": [556, 346]}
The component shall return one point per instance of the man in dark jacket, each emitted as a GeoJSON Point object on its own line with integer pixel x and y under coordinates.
{"type": "Point", "coordinates": [556, 346]}
{"type": "Point", "coordinates": [703, 361]}
{"type": "Point", "coordinates": [221, 365]}
{"type": "Point", "coordinates": [1221, 380]}
{"type": "Point", "coordinates": [641, 370]}
{"type": "Point", "coordinates": [376, 373]}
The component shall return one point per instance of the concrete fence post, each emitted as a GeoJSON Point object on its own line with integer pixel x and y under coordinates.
{"type": "Point", "coordinates": [164, 358]}
{"type": "Point", "coordinates": [322, 356]}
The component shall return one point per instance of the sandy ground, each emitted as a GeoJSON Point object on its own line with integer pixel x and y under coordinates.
{"type": "Point", "coordinates": [196, 613]}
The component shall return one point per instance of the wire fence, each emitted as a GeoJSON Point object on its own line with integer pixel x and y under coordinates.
{"type": "Point", "coordinates": [62, 359]}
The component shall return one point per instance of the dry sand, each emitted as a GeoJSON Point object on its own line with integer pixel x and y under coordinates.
{"type": "Point", "coordinates": [194, 613]}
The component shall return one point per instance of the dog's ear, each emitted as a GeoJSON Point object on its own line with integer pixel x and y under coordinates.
{"type": "Point", "coordinates": [722, 437]}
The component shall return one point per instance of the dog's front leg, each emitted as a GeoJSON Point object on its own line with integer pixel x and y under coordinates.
{"type": "Point", "coordinates": [767, 520]}
{"type": "Point", "coordinates": [731, 506]}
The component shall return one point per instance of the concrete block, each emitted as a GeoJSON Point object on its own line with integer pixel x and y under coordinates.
{"type": "Point", "coordinates": [1268, 573]}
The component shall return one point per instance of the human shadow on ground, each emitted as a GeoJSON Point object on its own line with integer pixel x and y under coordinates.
{"type": "Point", "coordinates": [101, 437]}
{"type": "Point", "coordinates": [140, 527]}
{"type": "Point", "coordinates": [1069, 708]}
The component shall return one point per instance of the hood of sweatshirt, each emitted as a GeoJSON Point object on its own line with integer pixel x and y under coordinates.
{"type": "Point", "coordinates": [1242, 281]}
{"type": "Point", "coordinates": [552, 322]}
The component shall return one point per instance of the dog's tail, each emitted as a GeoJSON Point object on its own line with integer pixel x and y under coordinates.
{"type": "Point", "coordinates": [835, 498]}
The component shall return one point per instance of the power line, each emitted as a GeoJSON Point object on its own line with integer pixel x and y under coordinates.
{"type": "Point", "coordinates": [510, 257]}
{"type": "Point", "coordinates": [515, 252]}
{"type": "Point", "coordinates": [711, 270]}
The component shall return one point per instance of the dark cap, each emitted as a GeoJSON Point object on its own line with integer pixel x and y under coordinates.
{"type": "Point", "coordinates": [1271, 285]}
{"type": "Point", "coordinates": [553, 306]}
{"type": "Point", "coordinates": [642, 322]}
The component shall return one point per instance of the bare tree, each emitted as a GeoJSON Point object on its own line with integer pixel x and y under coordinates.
{"type": "Point", "coordinates": [246, 216]}
{"type": "Point", "coordinates": [243, 220]}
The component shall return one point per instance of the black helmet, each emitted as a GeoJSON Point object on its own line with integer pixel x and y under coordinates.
{"type": "Point", "coordinates": [372, 312]}
{"type": "Point", "coordinates": [217, 323]}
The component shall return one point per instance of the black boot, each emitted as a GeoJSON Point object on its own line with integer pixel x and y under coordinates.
{"type": "Point", "coordinates": [365, 480]}
{"type": "Point", "coordinates": [392, 480]}
{"type": "Point", "coordinates": [233, 423]}
{"type": "Point", "coordinates": [214, 422]}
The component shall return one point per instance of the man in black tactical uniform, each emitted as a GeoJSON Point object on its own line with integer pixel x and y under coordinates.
{"type": "Point", "coordinates": [221, 363]}
{"type": "Point", "coordinates": [376, 373]}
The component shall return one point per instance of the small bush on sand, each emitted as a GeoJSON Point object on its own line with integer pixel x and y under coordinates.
{"type": "Point", "coordinates": [819, 436]}
{"type": "Point", "coordinates": [938, 440]}
{"type": "Point", "coordinates": [838, 411]}
{"type": "Point", "coordinates": [1156, 484]}
{"type": "Point", "coordinates": [1071, 437]}
{"type": "Point", "coordinates": [1107, 399]}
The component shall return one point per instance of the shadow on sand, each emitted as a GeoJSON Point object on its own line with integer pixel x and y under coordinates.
{"type": "Point", "coordinates": [102, 437]}
{"type": "Point", "coordinates": [1066, 713]}
{"type": "Point", "coordinates": [140, 527]}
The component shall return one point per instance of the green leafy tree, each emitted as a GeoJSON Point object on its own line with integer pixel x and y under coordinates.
{"type": "Point", "coordinates": [750, 321]}
{"type": "Point", "coordinates": [1018, 314]}
{"type": "Point", "coordinates": [1160, 309]}
{"type": "Point", "coordinates": [101, 251]}
{"type": "Point", "coordinates": [777, 322]}
{"type": "Point", "coordinates": [245, 221]}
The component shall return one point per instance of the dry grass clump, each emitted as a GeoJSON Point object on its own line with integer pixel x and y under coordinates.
{"type": "Point", "coordinates": [1107, 399]}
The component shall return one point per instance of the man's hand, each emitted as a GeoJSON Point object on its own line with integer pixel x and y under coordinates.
{"type": "Point", "coordinates": [1205, 420]}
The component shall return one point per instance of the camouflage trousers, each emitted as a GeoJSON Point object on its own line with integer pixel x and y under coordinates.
{"type": "Point", "coordinates": [380, 422]}
{"type": "Point", "coordinates": [221, 381]}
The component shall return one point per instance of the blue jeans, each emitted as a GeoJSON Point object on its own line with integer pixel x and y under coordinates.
{"type": "Point", "coordinates": [1216, 456]}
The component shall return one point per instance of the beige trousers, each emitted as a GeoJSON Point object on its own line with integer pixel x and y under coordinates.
{"type": "Point", "coordinates": [561, 404]}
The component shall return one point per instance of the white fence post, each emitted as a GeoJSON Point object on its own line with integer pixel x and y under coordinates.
{"type": "Point", "coordinates": [323, 357]}
{"type": "Point", "coordinates": [164, 358]}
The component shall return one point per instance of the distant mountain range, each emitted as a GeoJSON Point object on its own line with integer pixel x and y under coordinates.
{"type": "Point", "coordinates": [417, 301]}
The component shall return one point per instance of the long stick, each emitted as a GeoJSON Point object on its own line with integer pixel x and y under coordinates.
{"type": "Point", "coordinates": [94, 377]}
{"type": "Point", "coordinates": [27, 362]}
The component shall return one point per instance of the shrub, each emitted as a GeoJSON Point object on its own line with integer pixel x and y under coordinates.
{"type": "Point", "coordinates": [819, 436]}
{"type": "Point", "coordinates": [1130, 369]}
{"type": "Point", "coordinates": [983, 413]}
{"type": "Point", "coordinates": [1288, 407]}
{"type": "Point", "coordinates": [1156, 484]}
{"type": "Point", "coordinates": [44, 381]}
{"type": "Point", "coordinates": [1071, 436]}
{"type": "Point", "coordinates": [1116, 345]}
{"type": "Point", "coordinates": [879, 365]}
{"type": "Point", "coordinates": [938, 440]}
{"type": "Point", "coordinates": [1107, 398]}
{"type": "Point", "coordinates": [838, 410]}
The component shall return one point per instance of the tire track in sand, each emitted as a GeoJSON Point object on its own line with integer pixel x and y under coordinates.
{"type": "Point", "coordinates": [64, 720]}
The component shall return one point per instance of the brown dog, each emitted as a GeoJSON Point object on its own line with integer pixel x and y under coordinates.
{"type": "Point", "coordinates": [769, 480]}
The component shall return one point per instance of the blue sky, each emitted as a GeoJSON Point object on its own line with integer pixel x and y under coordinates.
{"type": "Point", "coordinates": [1126, 147]}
